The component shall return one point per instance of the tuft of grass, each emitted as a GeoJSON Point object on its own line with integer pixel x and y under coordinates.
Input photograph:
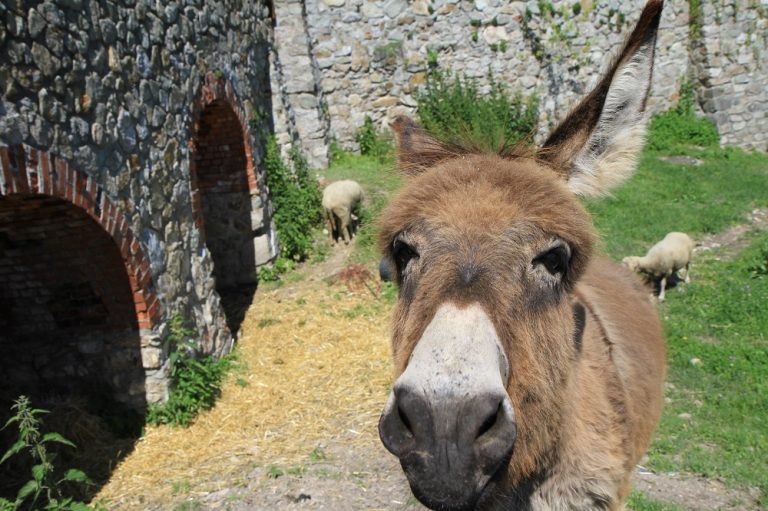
{"type": "Point", "coordinates": [679, 127]}
{"type": "Point", "coordinates": [637, 501]}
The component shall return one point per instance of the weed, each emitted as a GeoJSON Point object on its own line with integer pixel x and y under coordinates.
{"type": "Point", "coordinates": [265, 322]}
{"type": "Point", "coordinates": [46, 486]}
{"type": "Point", "coordinates": [639, 502]}
{"type": "Point", "coordinates": [297, 470]}
{"type": "Point", "coordinates": [296, 202]}
{"type": "Point", "coordinates": [454, 110]}
{"type": "Point", "coordinates": [432, 58]}
{"type": "Point", "coordinates": [180, 487]}
{"type": "Point", "coordinates": [188, 505]}
{"type": "Point", "coordinates": [240, 382]}
{"type": "Point", "coordinates": [475, 36]}
{"type": "Point", "coordinates": [272, 272]}
{"type": "Point", "coordinates": [317, 454]}
{"type": "Point", "coordinates": [301, 301]}
{"type": "Point", "coordinates": [679, 126]}
{"type": "Point", "coordinates": [371, 142]}
{"type": "Point", "coordinates": [273, 472]}
{"type": "Point", "coordinates": [196, 380]}
{"type": "Point", "coordinates": [576, 8]}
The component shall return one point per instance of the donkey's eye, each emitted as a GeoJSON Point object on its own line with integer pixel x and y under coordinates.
{"type": "Point", "coordinates": [403, 253]}
{"type": "Point", "coordinates": [554, 260]}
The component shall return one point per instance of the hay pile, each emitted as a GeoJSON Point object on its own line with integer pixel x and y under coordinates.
{"type": "Point", "coordinates": [316, 370]}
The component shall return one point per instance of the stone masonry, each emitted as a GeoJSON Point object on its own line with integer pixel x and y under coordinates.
{"type": "Point", "coordinates": [373, 55]}
{"type": "Point", "coordinates": [131, 133]}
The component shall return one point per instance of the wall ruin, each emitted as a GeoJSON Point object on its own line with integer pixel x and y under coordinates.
{"type": "Point", "coordinates": [125, 127]}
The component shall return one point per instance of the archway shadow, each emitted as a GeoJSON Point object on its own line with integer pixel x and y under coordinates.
{"type": "Point", "coordinates": [70, 342]}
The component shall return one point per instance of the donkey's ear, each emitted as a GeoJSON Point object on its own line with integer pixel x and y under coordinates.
{"type": "Point", "coordinates": [417, 150]}
{"type": "Point", "coordinates": [597, 145]}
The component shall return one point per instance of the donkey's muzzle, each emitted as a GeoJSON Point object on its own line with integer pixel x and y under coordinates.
{"type": "Point", "coordinates": [450, 447]}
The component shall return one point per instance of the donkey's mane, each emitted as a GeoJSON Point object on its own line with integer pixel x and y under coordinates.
{"type": "Point", "coordinates": [426, 150]}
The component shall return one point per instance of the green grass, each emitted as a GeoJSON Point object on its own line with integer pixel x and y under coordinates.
{"type": "Point", "coordinates": [721, 319]}
{"type": "Point", "coordinates": [664, 197]}
{"type": "Point", "coordinates": [637, 501]}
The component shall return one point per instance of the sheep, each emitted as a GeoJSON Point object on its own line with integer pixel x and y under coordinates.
{"type": "Point", "coordinates": [670, 255]}
{"type": "Point", "coordinates": [340, 198]}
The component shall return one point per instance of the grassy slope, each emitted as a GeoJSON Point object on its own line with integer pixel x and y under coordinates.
{"type": "Point", "coordinates": [664, 197]}
{"type": "Point", "coordinates": [720, 318]}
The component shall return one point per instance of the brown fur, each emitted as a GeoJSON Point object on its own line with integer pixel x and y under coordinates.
{"type": "Point", "coordinates": [586, 352]}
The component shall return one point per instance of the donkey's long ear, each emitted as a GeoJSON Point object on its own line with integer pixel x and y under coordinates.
{"type": "Point", "coordinates": [417, 150]}
{"type": "Point", "coordinates": [596, 146]}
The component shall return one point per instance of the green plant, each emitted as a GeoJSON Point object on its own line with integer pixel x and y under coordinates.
{"type": "Point", "coordinates": [46, 488]}
{"type": "Point", "coordinates": [455, 111]}
{"type": "Point", "coordinates": [576, 8]}
{"type": "Point", "coordinates": [432, 58]}
{"type": "Point", "coordinates": [371, 142]}
{"type": "Point", "coordinates": [503, 45]}
{"type": "Point", "coordinates": [295, 199]}
{"type": "Point", "coordinates": [679, 126]}
{"type": "Point", "coordinates": [475, 36]}
{"type": "Point", "coordinates": [279, 266]}
{"type": "Point", "coordinates": [195, 380]}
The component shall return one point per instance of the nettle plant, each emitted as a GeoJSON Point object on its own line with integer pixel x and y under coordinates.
{"type": "Point", "coordinates": [47, 486]}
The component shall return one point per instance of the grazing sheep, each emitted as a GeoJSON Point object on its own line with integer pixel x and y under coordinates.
{"type": "Point", "coordinates": [340, 198]}
{"type": "Point", "coordinates": [670, 255]}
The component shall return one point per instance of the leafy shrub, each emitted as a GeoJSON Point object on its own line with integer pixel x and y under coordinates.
{"type": "Point", "coordinates": [679, 126]}
{"type": "Point", "coordinates": [454, 110]}
{"type": "Point", "coordinates": [196, 380]}
{"type": "Point", "coordinates": [372, 142]}
{"type": "Point", "coordinates": [46, 488]}
{"type": "Point", "coordinates": [295, 199]}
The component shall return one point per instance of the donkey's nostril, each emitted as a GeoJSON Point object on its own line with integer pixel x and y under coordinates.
{"type": "Point", "coordinates": [404, 419]}
{"type": "Point", "coordinates": [489, 422]}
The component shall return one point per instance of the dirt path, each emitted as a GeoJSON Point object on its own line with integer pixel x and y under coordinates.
{"type": "Point", "coordinates": [297, 428]}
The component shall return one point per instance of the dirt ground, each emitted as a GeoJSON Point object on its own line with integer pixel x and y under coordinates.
{"type": "Point", "coordinates": [249, 453]}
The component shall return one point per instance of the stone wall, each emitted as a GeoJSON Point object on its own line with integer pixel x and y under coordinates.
{"type": "Point", "coordinates": [372, 55]}
{"type": "Point", "coordinates": [731, 69]}
{"type": "Point", "coordinates": [103, 105]}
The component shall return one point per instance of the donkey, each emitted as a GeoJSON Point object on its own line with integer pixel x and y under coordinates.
{"type": "Point", "coordinates": [529, 370]}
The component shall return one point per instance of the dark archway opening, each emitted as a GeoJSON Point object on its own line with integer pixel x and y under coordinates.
{"type": "Point", "coordinates": [69, 337]}
{"type": "Point", "coordinates": [228, 208]}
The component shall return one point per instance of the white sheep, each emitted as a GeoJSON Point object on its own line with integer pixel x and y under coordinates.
{"type": "Point", "coordinates": [340, 198]}
{"type": "Point", "coordinates": [670, 255]}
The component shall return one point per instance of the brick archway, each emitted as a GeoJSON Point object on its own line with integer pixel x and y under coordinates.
{"type": "Point", "coordinates": [228, 206]}
{"type": "Point", "coordinates": [27, 171]}
{"type": "Point", "coordinates": [75, 272]}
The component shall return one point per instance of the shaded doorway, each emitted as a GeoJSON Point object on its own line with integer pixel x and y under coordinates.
{"type": "Point", "coordinates": [69, 336]}
{"type": "Point", "coordinates": [231, 209]}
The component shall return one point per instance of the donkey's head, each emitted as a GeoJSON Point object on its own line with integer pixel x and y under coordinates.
{"type": "Point", "coordinates": [486, 251]}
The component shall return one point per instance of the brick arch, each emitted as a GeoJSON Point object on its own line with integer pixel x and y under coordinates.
{"type": "Point", "coordinates": [28, 171]}
{"type": "Point", "coordinates": [216, 90]}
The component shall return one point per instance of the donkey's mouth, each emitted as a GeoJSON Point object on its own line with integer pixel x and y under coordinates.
{"type": "Point", "coordinates": [450, 490]}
